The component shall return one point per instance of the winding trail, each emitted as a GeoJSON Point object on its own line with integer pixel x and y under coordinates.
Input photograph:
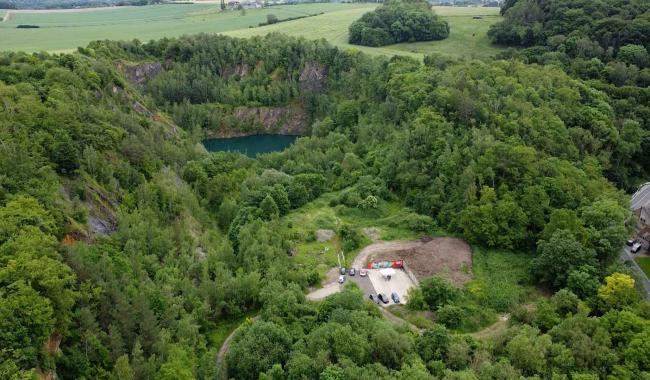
{"type": "Point", "coordinates": [334, 287]}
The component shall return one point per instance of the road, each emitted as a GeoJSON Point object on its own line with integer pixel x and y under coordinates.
{"type": "Point", "coordinates": [333, 287]}
{"type": "Point", "coordinates": [628, 257]}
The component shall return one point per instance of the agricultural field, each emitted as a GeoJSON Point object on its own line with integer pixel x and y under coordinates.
{"type": "Point", "coordinates": [65, 30]}
{"type": "Point", "coordinates": [468, 36]}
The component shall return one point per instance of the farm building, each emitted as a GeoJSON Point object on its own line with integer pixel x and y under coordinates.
{"type": "Point", "coordinates": [641, 206]}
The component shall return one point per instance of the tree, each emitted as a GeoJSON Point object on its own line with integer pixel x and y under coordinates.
{"type": "Point", "coordinates": [634, 55]}
{"type": "Point", "coordinates": [559, 256]}
{"type": "Point", "coordinates": [26, 322]}
{"type": "Point", "coordinates": [527, 350]}
{"type": "Point", "coordinates": [281, 198]}
{"type": "Point", "coordinates": [433, 343]}
{"type": "Point", "coordinates": [437, 292]}
{"type": "Point", "coordinates": [618, 291]}
{"type": "Point", "coordinates": [123, 370]}
{"type": "Point", "coordinates": [256, 349]}
{"type": "Point", "coordinates": [269, 209]}
{"type": "Point", "coordinates": [271, 18]}
{"type": "Point", "coordinates": [24, 211]}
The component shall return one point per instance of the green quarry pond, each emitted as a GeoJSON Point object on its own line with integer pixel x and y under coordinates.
{"type": "Point", "coordinates": [250, 145]}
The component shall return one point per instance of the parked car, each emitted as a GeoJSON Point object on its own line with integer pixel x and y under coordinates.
{"type": "Point", "coordinates": [352, 272]}
{"type": "Point", "coordinates": [630, 242]}
{"type": "Point", "coordinates": [395, 297]}
{"type": "Point", "coordinates": [343, 270]}
{"type": "Point", "coordinates": [382, 297]}
{"type": "Point", "coordinates": [372, 297]}
{"type": "Point", "coordinates": [363, 273]}
{"type": "Point", "coordinates": [636, 247]}
{"type": "Point", "coordinates": [341, 279]}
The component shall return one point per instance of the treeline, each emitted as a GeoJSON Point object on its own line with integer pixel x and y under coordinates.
{"type": "Point", "coordinates": [398, 21]}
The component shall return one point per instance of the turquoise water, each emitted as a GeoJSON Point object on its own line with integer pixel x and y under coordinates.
{"type": "Point", "coordinates": [250, 145]}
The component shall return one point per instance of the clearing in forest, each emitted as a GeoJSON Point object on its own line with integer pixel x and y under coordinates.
{"type": "Point", "coordinates": [446, 257]}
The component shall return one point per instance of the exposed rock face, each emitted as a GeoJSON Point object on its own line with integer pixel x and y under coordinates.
{"type": "Point", "coordinates": [313, 77]}
{"type": "Point", "coordinates": [140, 74]}
{"type": "Point", "coordinates": [287, 120]}
{"type": "Point", "coordinates": [324, 235]}
{"type": "Point", "coordinates": [241, 70]}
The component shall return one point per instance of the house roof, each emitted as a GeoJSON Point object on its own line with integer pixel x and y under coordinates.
{"type": "Point", "coordinates": [641, 198]}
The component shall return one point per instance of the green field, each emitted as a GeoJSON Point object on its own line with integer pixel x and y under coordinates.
{"type": "Point", "coordinates": [468, 37]}
{"type": "Point", "coordinates": [65, 31]}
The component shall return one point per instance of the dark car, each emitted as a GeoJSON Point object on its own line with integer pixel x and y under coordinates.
{"type": "Point", "coordinates": [395, 297]}
{"type": "Point", "coordinates": [343, 270]}
{"type": "Point", "coordinates": [382, 297]}
{"type": "Point", "coordinates": [352, 272]}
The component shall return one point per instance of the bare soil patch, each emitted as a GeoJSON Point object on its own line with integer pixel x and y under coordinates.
{"type": "Point", "coordinates": [447, 257]}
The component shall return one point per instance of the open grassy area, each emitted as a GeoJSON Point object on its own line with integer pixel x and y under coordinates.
{"type": "Point", "coordinates": [500, 282]}
{"type": "Point", "coordinates": [65, 31]}
{"type": "Point", "coordinates": [301, 226]}
{"type": "Point", "coordinates": [644, 263]}
{"type": "Point", "coordinates": [468, 37]}
{"type": "Point", "coordinates": [501, 279]}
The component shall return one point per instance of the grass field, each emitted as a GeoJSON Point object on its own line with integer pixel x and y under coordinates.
{"type": "Point", "coordinates": [468, 37]}
{"type": "Point", "coordinates": [65, 31]}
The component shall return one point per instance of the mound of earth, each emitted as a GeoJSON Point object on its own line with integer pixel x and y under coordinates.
{"type": "Point", "coordinates": [447, 257]}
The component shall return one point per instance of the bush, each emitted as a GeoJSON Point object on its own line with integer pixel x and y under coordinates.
{"type": "Point", "coordinates": [271, 19]}
{"type": "Point", "coordinates": [351, 238]}
{"type": "Point", "coordinates": [450, 316]}
{"type": "Point", "coordinates": [438, 292]}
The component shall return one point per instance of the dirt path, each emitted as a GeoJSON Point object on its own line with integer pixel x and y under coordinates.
{"type": "Point", "coordinates": [494, 330]}
{"type": "Point", "coordinates": [395, 319]}
{"type": "Point", "coordinates": [225, 346]}
{"type": "Point", "coordinates": [332, 286]}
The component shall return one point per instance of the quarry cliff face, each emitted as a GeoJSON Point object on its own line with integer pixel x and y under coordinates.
{"type": "Point", "coordinates": [291, 119]}
{"type": "Point", "coordinates": [286, 120]}
{"type": "Point", "coordinates": [141, 73]}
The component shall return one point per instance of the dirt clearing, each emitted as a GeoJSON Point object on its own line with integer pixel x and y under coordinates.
{"type": "Point", "coordinates": [447, 257]}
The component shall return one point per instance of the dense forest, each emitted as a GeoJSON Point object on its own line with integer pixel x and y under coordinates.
{"type": "Point", "coordinates": [127, 250]}
{"type": "Point", "coordinates": [398, 21]}
{"type": "Point", "coordinates": [604, 42]}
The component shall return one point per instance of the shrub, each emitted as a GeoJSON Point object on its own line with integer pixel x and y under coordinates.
{"type": "Point", "coordinates": [450, 316]}
{"type": "Point", "coordinates": [438, 292]}
{"type": "Point", "coordinates": [271, 18]}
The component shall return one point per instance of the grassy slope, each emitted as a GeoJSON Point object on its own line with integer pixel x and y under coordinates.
{"type": "Point", "coordinates": [468, 37]}
{"type": "Point", "coordinates": [301, 225]}
{"type": "Point", "coordinates": [66, 31]}
{"type": "Point", "coordinates": [644, 263]}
